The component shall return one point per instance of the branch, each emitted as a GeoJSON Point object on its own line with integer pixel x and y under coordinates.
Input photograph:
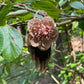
{"type": "Point", "coordinates": [61, 68]}
{"type": "Point", "coordinates": [15, 76]}
{"type": "Point", "coordinates": [52, 76]}
{"type": "Point", "coordinates": [31, 10]}
{"type": "Point", "coordinates": [57, 24]}
{"type": "Point", "coordinates": [18, 23]}
{"type": "Point", "coordinates": [26, 8]}
{"type": "Point", "coordinates": [72, 18]}
{"type": "Point", "coordinates": [67, 15]}
{"type": "Point", "coordinates": [69, 21]}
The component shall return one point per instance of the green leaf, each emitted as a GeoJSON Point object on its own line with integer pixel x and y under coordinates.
{"type": "Point", "coordinates": [19, 12]}
{"type": "Point", "coordinates": [82, 59]}
{"type": "Point", "coordinates": [62, 72]}
{"type": "Point", "coordinates": [51, 65]}
{"type": "Point", "coordinates": [65, 75]}
{"type": "Point", "coordinates": [73, 65]}
{"type": "Point", "coordinates": [20, 1]}
{"type": "Point", "coordinates": [13, 43]}
{"type": "Point", "coordinates": [3, 13]}
{"type": "Point", "coordinates": [77, 5]}
{"type": "Point", "coordinates": [7, 1]}
{"type": "Point", "coordinates": [80, 54]}
{"type": "Point", "coordinates": [69, 74]}
{"type": "Point", "coordinates": [1, 40]}
{"type": "Point", "coordinates": [1, 59]}
{"type": "Point", "coordinates": [26, 17]}
{"type": "Point", "coordinates": [77, 77]}
{"type": "Point", "coordinates": [81, 24]}
{"type": "Point", "coordinates": [4, 81]}
{"type": "Point", "coordinates": [47, 6]}
{"type": "Point", "coordinates": [62, 2]}
{"type": "Point", "coordinates": [59, 75]}
{"type": "Point", "coordinates": [74, 24]}
{"type": "Point", "coordinates": [6, 68]}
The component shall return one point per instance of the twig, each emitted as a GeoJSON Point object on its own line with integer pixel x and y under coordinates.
{"type": "Point", "coordinates": [69, 21]}
{"type": "Point", "coordinates": [13, 77]}
{"type": "Point", "coordinates": [28, 9]}
{"type": "Point", "coordinates": [68, 18]}
{"type": "Point", "coordinates": [61, 67]}
{"type": "Point", "coordinates": [57, 24]}
{"type": "Point", "coordinates": [25, 8]}
{"type": "Point", "coordinates": [31, 10]}
{"type": "Point", "coordinates": [26, 67]}
{"type": "Point", "coordinates": [67, 15]}
{"type": "Point", "coordinates": [18, 23]}
{"type": "Point", "coordinates": [52, 76]}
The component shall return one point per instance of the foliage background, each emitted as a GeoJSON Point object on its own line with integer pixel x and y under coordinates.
{"type": "Point", "coordinates": [66, 65]}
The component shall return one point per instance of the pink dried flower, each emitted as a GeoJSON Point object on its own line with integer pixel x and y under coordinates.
{"type": "Point", "coordinates": [42, 33]}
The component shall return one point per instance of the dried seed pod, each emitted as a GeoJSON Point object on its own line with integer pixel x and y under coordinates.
{"type": "Point", "coordinates": [42, 34]}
